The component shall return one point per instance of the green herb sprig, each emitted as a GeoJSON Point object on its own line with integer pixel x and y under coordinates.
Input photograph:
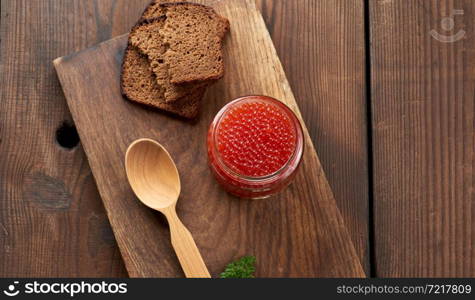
{"type": "Point", "coordinates": [242, 268]}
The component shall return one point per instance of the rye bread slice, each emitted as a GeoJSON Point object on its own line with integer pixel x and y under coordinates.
{"type": "Point", "coordinates": [187, 40]}
{"type": "Point", "coordinates": [139, 85]}
{"type": "Point", "coordinates": [145, 36]}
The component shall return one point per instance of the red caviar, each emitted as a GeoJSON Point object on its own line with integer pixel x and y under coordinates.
{"type": "Point", "coordinates": [256, 139]}
{"type": "Point", "coordinates": [255, 145]}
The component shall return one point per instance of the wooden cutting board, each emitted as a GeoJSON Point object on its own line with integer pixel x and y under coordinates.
{"type": "Point", "coordinates": [298, 233]}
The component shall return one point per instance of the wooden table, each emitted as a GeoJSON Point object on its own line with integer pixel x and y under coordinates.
{"type": "Point", "coordinates": [389, 107]}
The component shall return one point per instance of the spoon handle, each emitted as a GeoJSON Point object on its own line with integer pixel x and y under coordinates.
{"type": "Point", "coordinates": [185, 247]}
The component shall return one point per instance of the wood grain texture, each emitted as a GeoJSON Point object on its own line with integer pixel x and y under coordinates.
{"type": "Point", "coordinates": [299, 233]}
{"type": "Point", "coordinates": [424, 131]}
{"type": "Point", "coordinates": [321, 46]}
{"type": "Point", "coordinates": [52, 221]}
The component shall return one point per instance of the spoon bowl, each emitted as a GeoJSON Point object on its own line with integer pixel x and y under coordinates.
{"type": "Point", "coordinates": [154, 178]}
{"type": "Point", "coordinates": [152, 174]}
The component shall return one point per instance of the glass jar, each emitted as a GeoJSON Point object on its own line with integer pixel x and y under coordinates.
{"type": "Point", "coordinates": [262, 185]}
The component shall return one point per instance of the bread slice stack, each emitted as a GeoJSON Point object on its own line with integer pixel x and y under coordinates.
{"type": "Point", "coordinates": [174, 54]}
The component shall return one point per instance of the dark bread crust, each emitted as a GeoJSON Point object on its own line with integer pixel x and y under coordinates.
{"type": "Point", "coordinates": [153, 10]}
{"type": "Point", "coordinates": [176, 3]}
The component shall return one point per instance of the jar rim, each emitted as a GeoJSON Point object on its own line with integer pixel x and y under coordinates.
{"type": "Point", "coordinates": [294, 159]}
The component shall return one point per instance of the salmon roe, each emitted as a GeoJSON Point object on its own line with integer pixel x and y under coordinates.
{"type": "Point", "coordinates": [256, 139]}
{"type": "Point", "coordinates": [255, 145]}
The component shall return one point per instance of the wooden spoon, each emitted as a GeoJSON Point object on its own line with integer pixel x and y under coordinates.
{"type": "Point", "coordinates": [155, 180]}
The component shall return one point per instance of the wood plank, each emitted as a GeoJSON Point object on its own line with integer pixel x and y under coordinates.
{"type": "Point", "coordinates": [52, 221]}
{"type": "Point", "coordinates": [424, 130]}
{"type": "Point", "coordinates": [321, 46]}
{"type": "Point", "coordinates": [299, 233]}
